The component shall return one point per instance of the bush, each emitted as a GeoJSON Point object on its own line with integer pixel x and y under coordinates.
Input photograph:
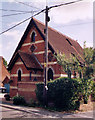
{"type": "Point", "coordinates": [93, 92]}
{"type": "Point", "coordinates": [7, 97]}
{"type": "Point", "coordinates": [39, 92]}
{"type": "Point", "coordinates": [63, 92]}
{"type": "Point", "coordinates": [33, 103]}
{"type": "Point", "coordinates": [19, 100]}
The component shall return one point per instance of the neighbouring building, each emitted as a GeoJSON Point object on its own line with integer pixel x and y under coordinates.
{"type": "Point", "coordinates": [4, 75]}
{"type": "Point", "coordinates": [27, 63]}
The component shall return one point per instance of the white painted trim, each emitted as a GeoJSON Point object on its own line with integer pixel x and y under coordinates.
{"type": "Point", "coordinates": [63, 75]}
{"type": "Point", "coordinates": [36, 42]}
{"type": "Point", "coordinates": [56, 75]}
{"type": "Point", "coordinates": [50, 63]}
{"type": "Point", "coordinates": [13, 87]}
{"type": "Point", "coordinates": [20, 70]}
{"type": "Point", "coordinates": [39, 41]}
{"type": "Point", "coordinates": [19, 63]}
{"type": "Point", "coordinates": [25, 44]}
{"type": "Point", "coordinates": [41, 52]}
{"type": "Point", "coordinates": [27, 75]}
{"type": "Point", "coordinates": [32, 32]}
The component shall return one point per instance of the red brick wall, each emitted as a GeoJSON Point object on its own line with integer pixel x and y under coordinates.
{"type": "Point", "coordinates": [27, 87]}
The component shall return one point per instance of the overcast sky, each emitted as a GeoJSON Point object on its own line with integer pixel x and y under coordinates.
{"type": "Point", "coordinates": [74, 20]}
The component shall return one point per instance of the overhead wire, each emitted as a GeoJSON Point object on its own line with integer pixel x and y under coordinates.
{"type": "Point", "coordinates": [18, 13]}
{"type": "Point", "coordinates": [37, 14]}
{"type": "Point", "coordinates": [74, 24]}
{"type": "Point", "coordinates": [13, 10]}
{"type": "Point", "coordinates": [26, 4]}
{"type": "Point", "coordinates": [21, 22]}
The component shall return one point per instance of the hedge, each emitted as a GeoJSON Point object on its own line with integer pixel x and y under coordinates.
{"type": "Point", "coordinates": [19, 100]}
{"type": "Point", "coordinates": [63, 92]}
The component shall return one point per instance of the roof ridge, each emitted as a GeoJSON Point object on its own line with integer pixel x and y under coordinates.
{"type": "Point", "coordinates": [53, 29]}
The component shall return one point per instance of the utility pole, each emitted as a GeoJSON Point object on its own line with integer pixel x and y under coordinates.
{"type": "Point", "coordinates": [46, 56]}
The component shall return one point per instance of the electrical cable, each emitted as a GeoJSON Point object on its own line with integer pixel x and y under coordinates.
{"type": "Point", "coordinates": [14, 10]}
{"type": "Point", "coordinates": [37, 14]}
{"type": "Point", "coordinates": [26, 4]}
{"type": "Point", "coordinates": [18, 14]}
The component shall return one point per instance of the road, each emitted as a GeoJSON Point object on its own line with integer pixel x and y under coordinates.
{"type": "Point", "coordinates": [40, 113]}
{"type": "Point", "coordinates": [11, 111]}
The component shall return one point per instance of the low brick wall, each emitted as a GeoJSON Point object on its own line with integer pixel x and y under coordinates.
{"type": "Point", "coordinates": [25, 89]}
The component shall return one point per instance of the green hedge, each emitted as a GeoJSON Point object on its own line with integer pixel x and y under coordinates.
{"type": "Point", "coordinates": [63, 92]}
{"type": "Point", "coordinates": [19, 100]}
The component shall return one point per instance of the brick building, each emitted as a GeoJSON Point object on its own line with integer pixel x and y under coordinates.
{"type": "Point", "coordinates": [4, 75]}
{"type": "Point", "coordinates": [27, 62]}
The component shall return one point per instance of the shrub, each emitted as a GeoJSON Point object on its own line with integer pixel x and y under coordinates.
{"type": "Point", "coordinates": [33, 103]}
{"type": "Point", "coordinates": [19, 100]}
{"type": "Point", "coordinates": [63, 92]}
{"type": "Point", "coordinates": [7, 97]}
{"type": "Point", "coordinates": [93, 92]}
{"type": "Point", "coordinates": [39, 92]}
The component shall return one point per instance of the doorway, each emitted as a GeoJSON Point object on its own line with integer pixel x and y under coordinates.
{"type": "Point", "coordinates": [50, 74]}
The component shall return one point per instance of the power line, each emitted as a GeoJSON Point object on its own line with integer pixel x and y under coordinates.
{"type": "Point", "coordinates": [64, 4]}
{"type": "Point", "coordinates": [14, 10]}
{"type": "Point", "coordinates": [37, 14]}
{"type": "Point", "coordinates": [18, 13]}
{"type": "Point", "coordinates": [21, 22]}
{"type": "Point", "coordinates": [73, 24]}
{"type": "Point", "coordinates": [26, 4]}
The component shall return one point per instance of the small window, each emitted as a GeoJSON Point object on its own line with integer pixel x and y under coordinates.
{"type": "Point", "coordinates": [19, 75]}
{"type": "Point", "coordinates": [33, 37]}
{"type": "Point", "coordinates": [69, 42]}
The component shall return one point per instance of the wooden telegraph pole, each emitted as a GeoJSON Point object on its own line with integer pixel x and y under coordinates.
{"type": "Point", "coordinates": [46, 56]}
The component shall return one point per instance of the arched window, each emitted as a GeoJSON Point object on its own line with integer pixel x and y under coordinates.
{"type": "Point", "coordinates": [33, 37]}
{"type": "Point", "coordinates": [50, 74]}
{"type": "Point", "coordinates": [19, 75]}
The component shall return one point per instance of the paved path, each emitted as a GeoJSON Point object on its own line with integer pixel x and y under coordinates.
{"type": "Point", "coordinates": [12, 111]}
{"type": "Point", "coordinates": [9, 111]}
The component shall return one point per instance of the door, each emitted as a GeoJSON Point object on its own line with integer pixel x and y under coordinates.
{"type": "Point", "coordinates": [50, 74]}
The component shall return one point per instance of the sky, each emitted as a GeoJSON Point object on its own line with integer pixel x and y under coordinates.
{"type": "Point", "coordinates": [74, 20]}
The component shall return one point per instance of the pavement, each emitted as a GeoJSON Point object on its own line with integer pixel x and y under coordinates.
{"type": "Point", "coordinates": [42, 113]}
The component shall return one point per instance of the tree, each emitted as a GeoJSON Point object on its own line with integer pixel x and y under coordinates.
{"type": "Point", "coordinates": [5, 62]}
{"type": "Point", "coordinates": [72, 64]}
{"type": "Point", "coordinates": [69, 65]}
{"type": "Point", "coordinates": [89, 57]}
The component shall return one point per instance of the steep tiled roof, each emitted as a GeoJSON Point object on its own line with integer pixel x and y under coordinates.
{"type": "Point", "coordinates": [61, 42]}
{"type": "Point", "coordinates": [57, 42]}
{"type": "Point", "coordinates": [30, 60]}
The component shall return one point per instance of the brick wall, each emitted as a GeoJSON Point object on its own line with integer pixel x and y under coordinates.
{"type": "Point", "coordinates": [26, 87]}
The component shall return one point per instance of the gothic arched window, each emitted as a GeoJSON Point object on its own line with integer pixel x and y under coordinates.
{"type": "Point", "coordinates": [19, 75]}
{"type": "Point", "coordinates": [33, 37]}
{"type": "Point", "coordinates": [50, 74]}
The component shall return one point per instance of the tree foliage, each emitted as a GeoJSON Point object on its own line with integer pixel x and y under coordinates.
{"type": "Point", "coordinates": [5, 62]}
{"type": "Point", "coordinates": [89, 57]}
{"type": "Point", "coordinates": [86, 70]}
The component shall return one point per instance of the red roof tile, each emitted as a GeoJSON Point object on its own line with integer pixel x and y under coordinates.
{"type": "Point", "coordinates": [30, 60]}
{"type": "Point", "coordinates": [59, 43]}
